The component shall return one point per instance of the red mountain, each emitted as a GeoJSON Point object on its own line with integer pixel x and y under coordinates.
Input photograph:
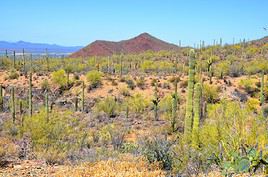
{"type": "Point", "coordinates": [138, 44]}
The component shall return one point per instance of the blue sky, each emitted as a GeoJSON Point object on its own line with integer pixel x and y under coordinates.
{"type": "Point", "coordinates": [79, 22]}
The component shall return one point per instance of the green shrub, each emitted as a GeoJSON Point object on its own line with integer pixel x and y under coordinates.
{"type": "Point", "coordinates": [248, 85]}
{"type": "Point", "coordinates": [130, 83]}
{"type": "Point", "coordinates": [8, 150]}
{"type": "Point", "coordinates": [94, 77]}
{"type": "Point", "coordinates": [13, 74]}
{"type": "Point", "coordinates": [253, 104]}
{"type": "Point", "coordinates": [141, 83]}
{"type": "Point", "coordinates": [45, 85]}
{"type": "Point", "coordinates": [210, 93]}
{"type": "Point", "coordinates": [108, 105]}
{"type": "Point", "coordinates": [158, 150]}
{"type": "Point", "coordinates": [59, 78]}
{"type": "Point", "coordinates": [54, 138]}
{"type": "Point", "coordinates": [137, 103]}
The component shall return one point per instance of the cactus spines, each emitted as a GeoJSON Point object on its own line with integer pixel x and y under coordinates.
{"type": "Point", "coordinates": [30, 96]}
{"type": "Point", "coordinates": [262, 89]}
{"type": "Point", "coordinates": [13, 108]}
{"type": "Point", "coordinates": [190, 91]}
{"type": "Point", "coordinates": [1, 99]}
{"type": "Point", "coordinates": [197, 113]}
{"type": "Point", "coordinates": [83, 96]}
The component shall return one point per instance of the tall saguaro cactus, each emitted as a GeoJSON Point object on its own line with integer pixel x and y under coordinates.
{"type": "Point", "coordinates": [121, 66]}
{"type": "Point", "coordinates": [262, 89]}
{"type": "Point", "coordinates": [13, 106]}
{"type": "Point", "coordinates": [83, 96]}
{"type": "Point", "coordinates": [1, 99]}
{"type": "Point", "coordinates": [174, 105]}
{"type": "Point", "coordinates": [209, 69]}
{"type": "Point", "coordinates": [14, 59]}
{"type": "Point", "coordinates": [47, 60]}
{"type": "Point", "coordinates": [156, 101]}
{"type": "Point", "coordinates": [197, 113]}
{"type": "Point", "coordinates": [190, 91]}
{"type": "Point", "coordinates": [47, 106]}
{"type": "Point", "coordinates": [30, 96]}
{"type": "Point", "coordinates": [24, 61]}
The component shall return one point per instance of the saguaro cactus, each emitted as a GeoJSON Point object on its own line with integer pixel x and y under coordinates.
{"type": "Point", "coordinates": [121, 65]}
{"type": "Point", "coordinates": [83, 96]}
{"type": "Point", "coordinates": [1, 99]}
{"type": "Point", "coordinates": [262, 89]}
{"type": "Point", "coordinates": [127, 110]}
{"type": "Point", "coordinates": [24, 61]}
{"type": "Point", "coordinates": [14, 59]}
{"type": "Point", "coordinates": [174, 106]}
{"type": "Point", "coordinates": [47, 106]}
{"type": "Point", "coordinates": [209, 69]}
{"type": "Point", "coordinates": [197, 113]}
{"type": "Point", "coordinates": [30, 95]}
{"type": "Point", "coordinates": [76, 103]}
{"type": "Point", "coordinates": [190, 91]}
{"type": "Point", "coordinates": [47, 60]}
{"type": "Point", "coordinates": [13, 106]}
{"type": "Point", "coordinates": [156, 101]}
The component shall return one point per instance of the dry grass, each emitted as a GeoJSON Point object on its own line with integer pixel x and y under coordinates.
{"type": "Point", "coordinates": [127, 167]}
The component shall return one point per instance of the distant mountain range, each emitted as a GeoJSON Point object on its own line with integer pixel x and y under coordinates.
{"type": "Point", "coordinates": [36, 47]}
{"type": "Point", "coordinates": [139, 44]}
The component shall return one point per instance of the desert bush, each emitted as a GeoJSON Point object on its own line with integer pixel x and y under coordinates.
{"type": "Point", "coordinates": [253, 104]}
{"type": "Point", "coordinates": [129, 147]}
{"type": "Point", "coordinates": [13, 74]}
{"type": "Point", "coordinates": [235, 69]}
{"type": "Point", "coordinates": [59, 78]}
{"type": "Point", "coordinates": [108, 105]}
{"type": "Point", "coordinates": [137, 103]}
{"type": "Point", "coordinates": [124, 91]}
{"type": "Point", "coordinates": [248, 85]}
{"type": "Point", "coordinates": [229, 128]}
{"type": "Point", "coordinates": [54, 138]}
{"type": "Point", "coordinates": [8, 150]}
{"type": "Point", "coordinates": [130, 83]}
{"type": "Point", "coordinates": [148, 66]}
{"type": "Point", "coordinates": [158, 150]}
{"type": "Point", "coordinates": [141, 83]}
{"type": "Point", "coordinates": [210, 93]}
{"type": "Point", "coordinates": [94, 77]}
{"type": "Point", "coordinates": [45, 85]}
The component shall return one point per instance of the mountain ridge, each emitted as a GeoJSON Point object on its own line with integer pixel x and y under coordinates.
{"type": "Point", "coordinates": [36, 47]}
{"type": "Point", "coordinates": [138, 44]}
